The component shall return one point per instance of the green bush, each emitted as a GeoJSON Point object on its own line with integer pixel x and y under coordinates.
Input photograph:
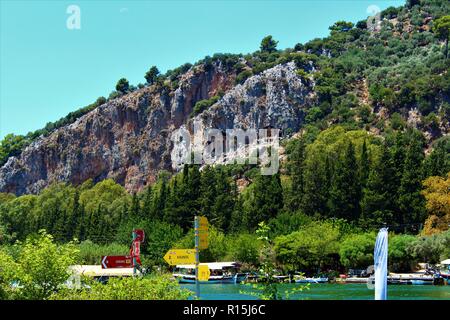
{"type": "Point", "coordinates": [38, 271]}
{"type": "Point", "coordinates": [356, 251]}
{"type": "Point", "coordinates": [153, 287]}
{"type": "Point", "coordinates": [203, 105]}
{"type": "Point", "coordinates": [400, 258]}
{"type": "Point", "coordinates": [90, 253]}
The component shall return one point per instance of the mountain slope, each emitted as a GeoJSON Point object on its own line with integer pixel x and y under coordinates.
{"type": "Point", "coordinates": [383, 80]}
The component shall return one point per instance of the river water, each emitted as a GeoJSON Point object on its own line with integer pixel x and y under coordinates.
{"type": "Point", "coordinates": [326, 292]}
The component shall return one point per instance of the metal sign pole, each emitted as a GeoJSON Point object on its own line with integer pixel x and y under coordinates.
{"type": "Point", "coordinates": [134, 255]}
{"type": "Point", "coordinates": [197, 258]}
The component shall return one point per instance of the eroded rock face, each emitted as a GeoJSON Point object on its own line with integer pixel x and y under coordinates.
{"type": "Point", "coordinates": [129, 139]}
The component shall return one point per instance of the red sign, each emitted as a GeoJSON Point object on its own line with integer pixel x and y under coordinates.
{"type": "Point", "coordinates": [117, 262]}
{"type": "Point", "coordinates": [139, 235]}
{"type": "Point", "coordinates": [135, 251]}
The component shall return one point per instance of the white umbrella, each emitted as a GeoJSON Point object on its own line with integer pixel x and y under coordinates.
{"type": "Point", "coordinates": [447, 261]}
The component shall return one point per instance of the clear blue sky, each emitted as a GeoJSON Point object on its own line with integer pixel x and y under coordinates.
{"type": "Point", "coordinates": [48, 70]}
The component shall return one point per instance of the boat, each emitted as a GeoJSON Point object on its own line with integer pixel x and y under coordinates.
{"type": "Point", "coordinates": [311, 280]}
{"type": "Point", "coordinates": [220, 272]}
{"type": "Point", "coordinates": [422, 281]}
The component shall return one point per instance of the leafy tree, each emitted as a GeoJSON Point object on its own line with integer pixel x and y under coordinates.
{"type": "Point", "coordinates": [40, 268]}
{"type": "Point", "coordinates": [431, 249]}
{"type": "Point", "coordinates": [244, 248]}
{"type": "Point", "coordinates": [356, 251]}
{"type": "Point", "coordinates": [441, 27]}
{"type": "Point", "coordinates": [437, 195]}
{"type": "Point", "coordinates": [400, 258]}
{"type": "Point", "coordinates": [311, 248]}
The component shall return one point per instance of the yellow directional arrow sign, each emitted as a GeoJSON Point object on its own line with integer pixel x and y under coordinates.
{"type": "Point", "coordinates": [203, 224]}
{"type": "Point", "coordinates": [203, 240]}
{"type": "Point", "coordinates": [203, 273]}
{"type": "Point", "coordinates": [180, 256]}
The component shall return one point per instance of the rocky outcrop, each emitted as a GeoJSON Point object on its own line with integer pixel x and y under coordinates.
{"type": "Point", "coordinates": [129, 139]}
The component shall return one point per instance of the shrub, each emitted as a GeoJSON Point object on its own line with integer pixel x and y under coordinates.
{"type": "Point", "coordinates": [356, 251]}
{"type": "Point", "coordinates": [153, 287]}
{"type": "Point", "coordinates": [203, 105]}
{"type": "Point", "coordinates": [242, 76]}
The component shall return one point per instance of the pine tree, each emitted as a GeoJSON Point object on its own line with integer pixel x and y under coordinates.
{"type": "Point", "coordinates": [135, 208]}
{"type": "Point", "coordinates": [160, 201]}
{"type": "Point", "coordinates": [364, 165]}
{"type": "Point", "coordinates": [296, 171]}
{"type": "Point", "coordinates": [147, 207]}
{"type": "Point", "coordinates": [267, 199]}
{"type": "Point", "coordinates": [316, 184]}
{"type": "Point", "coordinates": [410, 201]}
{"type": "Point", "coordinates": [378, 201]}
{"type": "Point", "coordinates": [208, 192]}
{"type": "Point", "coordinates": [74, 217]}
{"type": "Point", "coordinates": [224, 202]}
{"type": "Point", "coordinates": [438, 162]}
{"type": "Point", "coordinates": [345, 190]}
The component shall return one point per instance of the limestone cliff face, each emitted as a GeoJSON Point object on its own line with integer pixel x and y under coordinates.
{"type": "Point", "coordinates": [129, 139]}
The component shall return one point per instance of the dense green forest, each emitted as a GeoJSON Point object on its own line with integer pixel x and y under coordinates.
{"type": "Point", "coordinates": [337, 187]}
{"type": "Point", "coordinates": [349, 171]}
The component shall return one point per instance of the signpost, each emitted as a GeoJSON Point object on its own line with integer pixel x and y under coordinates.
{"type": "Point", "coordinates": [201, 242]}
{"type": "Point", "coordinates": [192, 256]}
{"type": "Point", "coordinates": [117, 262]}
{"type": "Point", "coordinates": [180, 256]}
{"type": "Point", "coordinates": [132, 260]}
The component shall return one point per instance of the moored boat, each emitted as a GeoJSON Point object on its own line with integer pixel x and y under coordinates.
{"type": "Point", "coordinates": [220, 272]}
{"type": "Point", "coordinates": [311, 280]}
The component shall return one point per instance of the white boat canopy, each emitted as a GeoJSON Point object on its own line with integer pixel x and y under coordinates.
{"type": "Point", "coordinates": [446, 261]}
{"type": "Point", "coordinates": [211, 265]}
{"type": "Point", "coordinates": [97, 271]}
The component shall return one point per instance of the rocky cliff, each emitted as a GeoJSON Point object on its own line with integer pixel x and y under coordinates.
{"type": "Point", "coordinates": [128, 139]}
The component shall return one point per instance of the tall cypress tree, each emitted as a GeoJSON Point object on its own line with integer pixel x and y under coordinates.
{"type": "Point", "coordinates": [438, 162]}
{"type": "Point", "coordinates": [266, 201]}
{"type": "Point", "coordinates": [208, 191]}
{"type": "Point", "coordinates": [378, 201]}
{"type": "Point", "coordinates": [364, 165]}
{"type": "Point", "coordinates": [345, 189]}
{"type": "Point", "coordinates": [410, 201]}
{"type": "Point", "coordinates": [296, 162]}
{"type": "Point", "coordinates": [147, 207]}
{"type": "Point", "coordinates": [223, 203]}
{"type": "Point", "coordinates": [316, 184]}
{"type": "Point", "coordinates": [135, 208]}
